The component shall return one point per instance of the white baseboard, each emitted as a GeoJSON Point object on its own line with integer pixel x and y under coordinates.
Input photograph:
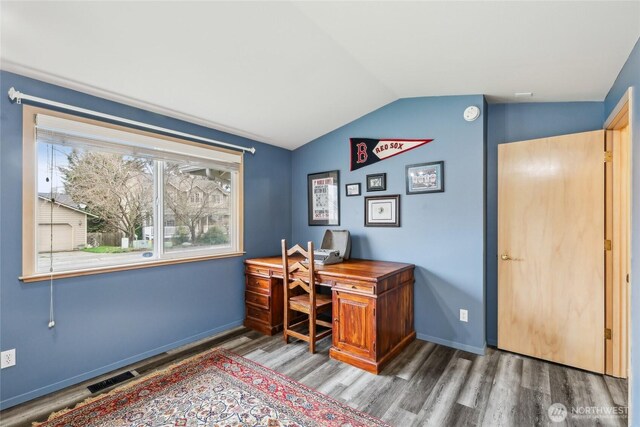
{"type": "Point", "coordinates": [453, 344]}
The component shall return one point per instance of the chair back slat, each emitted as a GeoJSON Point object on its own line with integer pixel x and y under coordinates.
{"type": "Point", "coordinates": [298, 249]}
{"type": "Point", "coordinates": [297, 282]}
{"type": "Point", "coordinates": [298, 266]}
{"type": "Point", "coordinates": [307, 270]}
{"type": "Point", "coordinates": [305, 278]}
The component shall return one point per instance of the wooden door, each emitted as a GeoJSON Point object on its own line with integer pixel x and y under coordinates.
{"type": "Point", "coordinates": [353, 323]}
{"type": "Point", "coordinates": [618, 265]}
{"type": "Point", "coordinates": [551, 249]}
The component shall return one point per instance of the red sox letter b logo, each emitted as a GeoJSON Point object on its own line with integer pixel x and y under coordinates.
{"type": "Point", "coordinates": [361, 155]}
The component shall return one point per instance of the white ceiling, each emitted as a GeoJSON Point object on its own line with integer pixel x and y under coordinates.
{"type": "Point", "coordinates": [288, 72]}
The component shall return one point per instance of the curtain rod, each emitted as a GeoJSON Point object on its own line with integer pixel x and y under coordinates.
{"type": "Point", "coordinates": [18, 97]}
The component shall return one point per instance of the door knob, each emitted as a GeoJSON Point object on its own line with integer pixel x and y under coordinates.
{"type": "Point", "coordinates": [506, 257]}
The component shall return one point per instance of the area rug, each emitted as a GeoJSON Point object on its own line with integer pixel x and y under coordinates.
{"type": "Point", "coordinates": [217, 388]}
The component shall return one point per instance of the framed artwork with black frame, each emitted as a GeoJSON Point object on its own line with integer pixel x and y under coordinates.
{"type": "Point", "coordinates": [352, 189]}
{"type": "Point", "coordinates": [382, 211]}
{"type": "Point", "coordinates": [323, 198]}
{"type": "Point", "coordinates": [425, 178]}
{"type": "Point", "coordinates": [377, 182]}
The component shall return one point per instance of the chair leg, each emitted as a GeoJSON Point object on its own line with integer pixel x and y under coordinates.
{"type": "Point", "coordinates": [285, 327]}
{"type": "Point", "coordinates": [285, 314]}
{"type": "Point", "coordinates": [285, 336]}
{"type": "Point", "coordinates": [312, 331]}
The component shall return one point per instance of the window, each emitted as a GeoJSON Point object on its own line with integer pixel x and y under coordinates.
{"type": "Point", "coordinates": [195, 196]}
{"type": "Point", "coordinates": [199, 223]}
{"type": "Point", "coordinates": [106, 197]}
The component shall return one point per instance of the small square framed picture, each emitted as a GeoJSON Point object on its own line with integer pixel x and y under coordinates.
{"type": "Point", "coordinates": [377, 182]}
{"type": "Point", "coordinates": [425, 178]}
{"type": "Point", "coordinates": [352, 189]}
{"type": "Point", "coordinates": [382, 211]}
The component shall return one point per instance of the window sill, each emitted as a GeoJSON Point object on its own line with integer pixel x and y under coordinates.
{"type": "Point", "coordinates": [90, 271]}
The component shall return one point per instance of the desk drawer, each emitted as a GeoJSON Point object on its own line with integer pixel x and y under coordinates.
{"type": "Point", "coordinates": [354, 287]}
{"type": "Point", "coordinates": [257, 313]}
{"type": "Point", "coordinates": [259, 300]}
{"type": "Point", "coordinates": [258, 270]}
{"type": "Point", "coordinates": [258, 284]}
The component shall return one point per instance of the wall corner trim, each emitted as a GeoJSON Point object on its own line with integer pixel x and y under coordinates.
{"type": "Point", "coordinates": [624, 99]}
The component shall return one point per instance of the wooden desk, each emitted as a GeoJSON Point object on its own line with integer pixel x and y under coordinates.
{"type": "Point", "coordinates": [372, 306]}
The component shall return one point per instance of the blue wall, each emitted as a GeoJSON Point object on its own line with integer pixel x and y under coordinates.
{"type": "Point", "coordinates": [630, 77]}
{"type": "Point", "coordinates": [109, 320]}
{"type": "Point", "coordinates": [442, 233]}
{"type": "Point", "coordinates": [518, 122]}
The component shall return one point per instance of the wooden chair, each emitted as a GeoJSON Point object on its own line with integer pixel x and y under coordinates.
{"type": "Point", "coordinates": [308, 301]}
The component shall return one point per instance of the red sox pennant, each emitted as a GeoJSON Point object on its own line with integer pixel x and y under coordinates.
{"type": "Point", "coordinates": [366, 151]}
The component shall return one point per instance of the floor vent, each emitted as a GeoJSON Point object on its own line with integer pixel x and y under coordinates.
{"type": "Point", "coordinates": [94, 388]}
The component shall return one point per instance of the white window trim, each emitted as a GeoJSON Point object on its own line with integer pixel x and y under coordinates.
{"type": "Point", "coordinates": [29, 205]}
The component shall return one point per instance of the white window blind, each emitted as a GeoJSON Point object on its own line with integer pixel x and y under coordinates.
{"type": "Point", "coordinates": [58, 130]}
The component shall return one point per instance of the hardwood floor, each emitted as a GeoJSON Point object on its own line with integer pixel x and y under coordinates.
{"type": "Point", "coordinates": [427, 384]}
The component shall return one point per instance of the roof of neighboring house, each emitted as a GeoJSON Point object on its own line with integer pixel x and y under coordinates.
{"type": "Point", "coordinates": [66, 201]}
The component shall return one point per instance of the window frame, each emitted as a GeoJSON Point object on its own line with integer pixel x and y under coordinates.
{"type": "Point", "coordinates": [30, 195]}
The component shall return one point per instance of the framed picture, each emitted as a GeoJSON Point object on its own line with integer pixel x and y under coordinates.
{"type": "Point", "coordinates": [425, 178]}
{"type": "Point", "coordinates": [323, 198]}
{"type": "Point", "coordinates": [353, 189]}
{"type": "Point", "coordinates": [382, 211]}
{"type": "Point", "coordinates": [377, 182]}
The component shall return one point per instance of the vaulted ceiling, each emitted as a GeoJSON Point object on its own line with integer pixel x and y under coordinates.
{"type": "Point", "coordinates": [288, 72]}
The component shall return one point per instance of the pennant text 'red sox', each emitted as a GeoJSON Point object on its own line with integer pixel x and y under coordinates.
{"type": "Point", "coordinates": [367, 151]}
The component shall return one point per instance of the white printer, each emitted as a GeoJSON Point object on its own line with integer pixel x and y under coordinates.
{"type": "Point", "coordinates": [336, 247]}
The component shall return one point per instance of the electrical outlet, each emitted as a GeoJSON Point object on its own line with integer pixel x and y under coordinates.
{"type": "Point", "coordinates": [464, 315]}
{"type": "Point", "coordinates": [8, 358]}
